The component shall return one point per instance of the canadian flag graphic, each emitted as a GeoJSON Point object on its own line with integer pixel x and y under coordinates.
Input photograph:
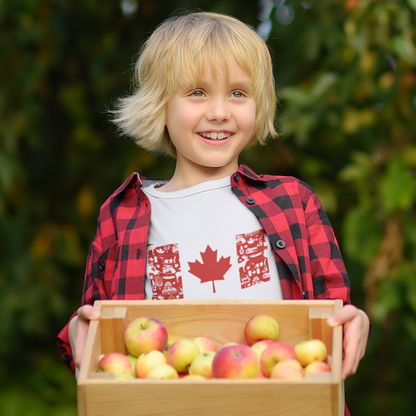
{"type": "Point", "coordinates": [210, 269]}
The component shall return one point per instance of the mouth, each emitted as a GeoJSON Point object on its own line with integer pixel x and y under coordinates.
{"type": "Point", "coordinates": [214, 135]}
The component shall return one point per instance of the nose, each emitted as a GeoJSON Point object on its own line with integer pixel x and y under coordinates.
{"type": "Point", "coordinates": [218, 110]}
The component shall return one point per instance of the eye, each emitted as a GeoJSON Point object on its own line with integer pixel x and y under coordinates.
{"type": "Point", "coordinates": [237, 94]}
{"type": "Point", "coordinates": [197, 93]}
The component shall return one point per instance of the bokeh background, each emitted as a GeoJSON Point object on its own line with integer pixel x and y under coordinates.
{"type": "Point", "coordinates": [346, 77]}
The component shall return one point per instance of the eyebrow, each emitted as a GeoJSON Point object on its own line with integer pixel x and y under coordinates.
{"type": "Point", "coordinates": [235, 84]}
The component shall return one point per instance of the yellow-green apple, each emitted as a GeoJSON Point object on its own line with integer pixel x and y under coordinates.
{"type": "Point", "coordinates": [310, 351]}
{"type": "Point", "coordinates": [124, 377]}
{"type": "Point", "coordinates": [147, 361]}
{"type": "Point", "coordinates": [202, 364]}
{"type": "Point", "coordinates": [145, 334]}
{"type": "Point", "coordinates": [259, 346]}
{"type": "Point", "coordinates": [287, 370]}
{"type": "Point", "coordinates": [193, 377]}
{"type": "Point", "coordinates": [171, 340]}
{"type": "Point", "coordinates": [205, 344]}
{"type": "Point", "coordinates": [273, 354]}
{"type": "Point", "coordinates": [163, 371]}
{"type": "Point", "coordinates": [181, 354]}
{"type": "Point", "coordinates": [261, 327]}
{"type": "Point", "coordinates": [235, 361]}
{"type": "Point", "coordinates": [318, 367]}
{"type": "Point", "coordinates": [132, 360]}
{"type": "Point", "coordinates": [115, 362]}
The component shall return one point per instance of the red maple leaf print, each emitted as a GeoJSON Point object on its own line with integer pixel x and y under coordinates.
{"type": "Point", "coordinates": [210, 269]}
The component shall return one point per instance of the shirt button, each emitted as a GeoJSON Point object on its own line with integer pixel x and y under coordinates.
{"type": "Point", "coordinates": [280, 244]}
{"type": "Point", "coordinates": [236, 177]}
{"type": "Point", "coordinates": [250, 200]}
{"type": "Point", "coordinates": [304, 295]}
{"type": "Point", "coordinates": [101, 265]}
{"type": "Point", "coordinates": [138, 254]}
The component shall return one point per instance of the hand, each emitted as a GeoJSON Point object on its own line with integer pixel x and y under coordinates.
{"type": "Point", "coordinates": [356, 329]}
{"type": "Point", "coordinates": [77, 332]}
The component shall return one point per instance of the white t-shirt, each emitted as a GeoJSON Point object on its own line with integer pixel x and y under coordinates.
{"type": "Point", "coordinates": [204, 244]}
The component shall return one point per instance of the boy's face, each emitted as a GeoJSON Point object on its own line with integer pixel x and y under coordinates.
{"type": "Point", "coordinates": [212, 123]}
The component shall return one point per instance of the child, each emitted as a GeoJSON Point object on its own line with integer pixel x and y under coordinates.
{"type": "Point", "coordinates": [215, 230]}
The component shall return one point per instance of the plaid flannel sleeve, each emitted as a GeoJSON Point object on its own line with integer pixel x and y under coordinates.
{"type": "Point", "coordinates": [329, 276]}
{"type": "Point", "coordinates": [93, 289]}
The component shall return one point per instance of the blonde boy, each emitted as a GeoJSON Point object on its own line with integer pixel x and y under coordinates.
{"type": "Point", "coordinates": [203, 92]}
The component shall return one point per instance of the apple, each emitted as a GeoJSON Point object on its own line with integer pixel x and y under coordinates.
{"type": "Point", "coordinates": [202, 364]}
{"type": "Point", "coordinates": [261, 327]}
{"type": "Point", "coordinates": [287, 370]}
{"type": "Point", "coordinates": [145, 334]}
{"type": "Point", "coordinates": [205, 344]}
{"type": "Point", "coordinates": [124, 377]}
{"type": "Point", "coordinates": [259, 346]}
{"type": "Point", "coordinates": [235, 361]}
{"type": "Point", "coordinates": [318, 367]}
{"type": "Point", "coordinates": [147, 361]}
{"type": "Point", "coordinates": [115, 362]}
{"type": "Point", "coordinates": [309, 351]}
{"type": "Point", "coordinates": [171, 340]}
{"type": "Point", "coordinates": [193, 377]}
{"type": "Point", "coordinates": [163, 371]}
{"type": "Point", "coordinates": [276, 352]}
{"type": "Point", "coordinates": [132, 360]}
{"type": "Point", "coordinates": [231, 343]}
{"type": "Point", "coordinates": [181, 354]}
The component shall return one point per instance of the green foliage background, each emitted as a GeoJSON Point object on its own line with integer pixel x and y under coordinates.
{"type": "Point", "coordinates": [347, 85]}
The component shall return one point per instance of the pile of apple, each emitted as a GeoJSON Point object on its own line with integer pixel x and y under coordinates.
{"type": "Point", "coordinates": [152, 354]}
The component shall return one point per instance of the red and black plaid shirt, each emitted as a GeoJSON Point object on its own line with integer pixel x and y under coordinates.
{"type": "Point", "coordinates": [308, 259]}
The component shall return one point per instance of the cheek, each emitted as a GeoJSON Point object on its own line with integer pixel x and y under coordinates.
{"type": "Point", "coordinates": [248, 119]}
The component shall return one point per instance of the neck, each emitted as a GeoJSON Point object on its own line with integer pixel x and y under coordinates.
{"type": "Point", "coordinates": [184, 178]}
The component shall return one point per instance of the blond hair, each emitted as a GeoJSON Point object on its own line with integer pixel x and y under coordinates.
{"type": "Point", "coordinates": [174, 57]}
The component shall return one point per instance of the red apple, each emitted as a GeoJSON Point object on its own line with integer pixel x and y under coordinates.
{"type": "Point", "coordinates": [278, 351]}
{"type": "Point", "coordinates": [145, 334]}
{"type": "Point", "coordinates": [205, 344]}
{"type": "Point", "coordinates": [163, 371]}
{"type": "Point", "coordinates": [181, 354]}
{"type": "Point", "coordinates": [115, 362]}
{"type": "Point", "coordinates": [147, 361]}
{"type": "Point", "coordinates": [318, 367]}
{"type": "Point", "coordinates": [261, 327]}
{"type": "Point", "coordinates": [260, 346]}
{"type": "Point", "coordinates": [235, 361]}
{"type": "Point", "coordinates": [312, 350]}
{"type": "Point", "coordinates": [202, 364]}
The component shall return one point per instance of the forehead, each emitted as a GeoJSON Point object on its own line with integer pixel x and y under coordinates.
{"type": "Point", "coordinates": [214, 70]}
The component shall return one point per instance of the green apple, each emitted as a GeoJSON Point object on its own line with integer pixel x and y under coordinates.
{"type": "Point", "coordinates": [310, 351]}
{"type": "Point", "coordinates": [202, 364]}
{"type": "Point", "coordinates": [163, 371]}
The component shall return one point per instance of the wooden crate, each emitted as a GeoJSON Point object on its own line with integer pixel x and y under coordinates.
{"type": "Point", "coordinates": [223, 321]}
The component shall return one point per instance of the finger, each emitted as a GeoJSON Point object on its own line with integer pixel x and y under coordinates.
{"type": "Point", "coordinates": [345, 314]}
{"type": "Point", "coordinates": [88, 313]}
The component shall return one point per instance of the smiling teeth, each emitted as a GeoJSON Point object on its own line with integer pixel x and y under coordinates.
{"type": "Point", "coordinates": [215, 136]}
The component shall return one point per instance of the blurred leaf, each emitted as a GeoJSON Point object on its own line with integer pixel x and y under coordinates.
{"type": "Point", "coordinates": [397, 187]}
